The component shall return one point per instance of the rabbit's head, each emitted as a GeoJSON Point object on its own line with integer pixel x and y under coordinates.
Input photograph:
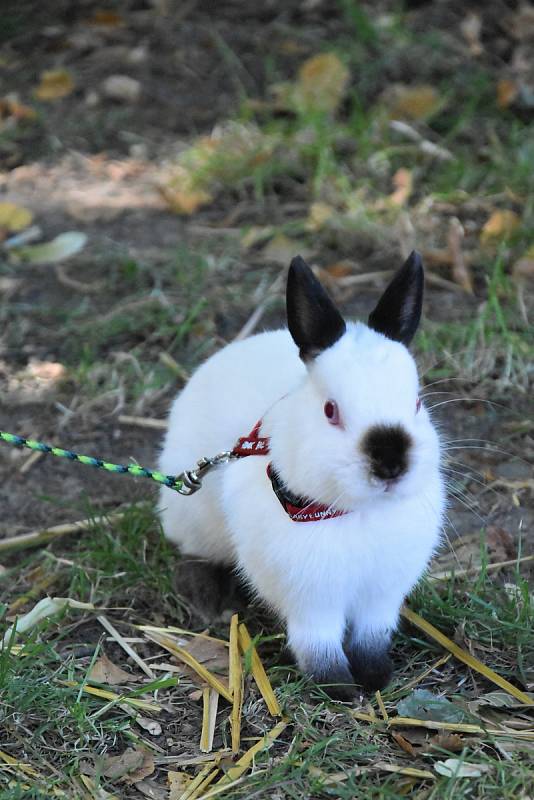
{"type": "Point", "coordinates": [354, 429]}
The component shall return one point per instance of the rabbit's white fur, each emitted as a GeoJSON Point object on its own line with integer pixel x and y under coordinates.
{"type": "Point", "coordinates": [338, 580]}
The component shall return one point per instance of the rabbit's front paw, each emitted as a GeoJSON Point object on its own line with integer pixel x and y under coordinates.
{"type": "Point", "coordinates": [336, 681]}
{"type": "Point", "coordinates": [371, 665]}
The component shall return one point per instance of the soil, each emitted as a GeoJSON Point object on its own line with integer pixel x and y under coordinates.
{"type": "Point", "coordinates": [91, 163]}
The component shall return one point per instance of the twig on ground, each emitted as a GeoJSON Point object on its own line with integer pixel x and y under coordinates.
{"type": "Point", "coordinates": [460, 271]}
{"type": "Point", "coordinates": [464, 656]}
{"type": "Point", "coordinates": [143, 422]}
{"type": "Point", "coordinates": [78, 286]}
{"type": "Point", "coordinates": [252, 322]}
{"type": "Point", "coordinates": [30, 461]}
{"type": "Point", "coordinates": [36, 538]}
{"type": "Point", "coordinates": [125, 646]}
{"type": "Point", "coordinates": [460, 573]}
{"type": "Point", "coordinates": [425, 145]}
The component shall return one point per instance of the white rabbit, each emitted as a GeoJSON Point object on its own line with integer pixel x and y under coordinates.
{"type": "Point", "coordinates": [347, 431]}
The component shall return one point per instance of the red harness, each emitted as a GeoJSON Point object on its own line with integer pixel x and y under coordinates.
{"type": "Point", "coordinates": [297, 510]}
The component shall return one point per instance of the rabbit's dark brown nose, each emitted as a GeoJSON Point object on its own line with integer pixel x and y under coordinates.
{"type": "Point", "coordinates": [387, 448]}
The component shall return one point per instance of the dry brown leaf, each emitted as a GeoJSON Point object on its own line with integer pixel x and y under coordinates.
{"type": "Point", "coordinates": [404, 744]}
{"type": "Point", "coordinates": [448, 741]}
{"type": "Point", "coordinates": [209, 652]}
{"type": "Point", "coordinates": [116, 767]}
{"type": "Point", "coordinates": [321, 83]}
{"type": "Point", "coordinates": [106, 18]}
{"type": "Point", "coordinates": [178, 783]}
{"type": "Point", "coordinates": [130, 767]}
{"type": "Point", "coordinates": [11, 107]}
{"type": "Point", "coordinates": [500, 225]}
{"type": "Point", "coordinates": [500, 543]}
{"type": "Point", "coordinates": [340, 269]}
{"type": "Point", "coordinates": [105, 671]}
{"type": "Point", "coordinates": [185, 201]}
{"type": "Point", "coordinates": [413, 102]}
{"type": "Point", "coordinates": [507, 91]}
{"type": "Point", "coordinates": [55, 84]}
{"type": "Point", "coordinates": [46, 370]}
{"type": "Point", "coordinates": [403, 183]}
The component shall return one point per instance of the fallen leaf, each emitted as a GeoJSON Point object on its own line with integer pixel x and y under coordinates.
{"type": "Point", "coordinates": [403, 183]}
{"type": "Point", "coordinates": [11, 107]}
{"type": "Point", "coordinates": [105, 671]}
{"type": "Point", "coordinates": [281, 249]}
{"type": "Point", "coordinates": [500, 225]}
{"type": "Point", "coordinates": [178, 783]}
{"type": "Point", "coordinates": [106, 18]}
{"type": "Point", "coordinates": [152, 790]}
{"type": "Point", "coordinates": [448, 741]}
{"type": "Point", "coordinates": [424, 704]}
{"type": "Point", "coordinates": [413, 102]}
{"type": "Point", "coordinates": [340, 269]}
{"type": "Point", "coordinates": [499, 700]}
{"type": "Point", "coordinates": [507, 91]}
{"type": "Point", "coordinates": [151, 725]}
{"type": "Point", "coordinates": [455, 768]}
{"type": "Point", "coordinates": [130, 767]}
{"type": "Point", "coordinates": [46, 370]}
{"type": "Point", "coordinates": [59, 249]}
{"type": "Point", "coordinates": [47, 607]}
{"type": "Point", "coordinates": [404, 744]}
{"type": "Point", "coordinates": [55, 84]}
{"type": "Point", "coordinates": [116, 767]}
{"type": "Point", "coordinates": [210, 652]}
{"type": "Point", "coordinates": [500, 543]}
{"type": "Point", "coordinates": [14, 218]}
{"type": "Point", "coordinates": [185, 201]}
{"type": "Point", "coordinates": [122, 88]}
{"type": "Point", "coordinates": [321, 83]}
{"type": "Point", "coordinates": [318, 216]}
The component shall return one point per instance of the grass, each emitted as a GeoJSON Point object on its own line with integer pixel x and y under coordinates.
{"type": "Point", "coordinates": [325, 751]}
{"type": "Point", "coordinates": [276, 163]}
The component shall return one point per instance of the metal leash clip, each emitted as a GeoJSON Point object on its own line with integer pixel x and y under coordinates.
{"type": "Point", "coordinates": [191, 479]}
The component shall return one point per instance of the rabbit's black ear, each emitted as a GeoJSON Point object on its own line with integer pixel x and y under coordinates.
{"type": "Point", "coordinates": [398, 311]}
{"type": "Point", "coordinates": [313, 320]}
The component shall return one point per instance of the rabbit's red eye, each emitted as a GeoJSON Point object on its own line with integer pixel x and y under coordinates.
{"type": "Point", "coordinates": [331, 412]}
{"type": "Point", "coordinates": [417, 404]}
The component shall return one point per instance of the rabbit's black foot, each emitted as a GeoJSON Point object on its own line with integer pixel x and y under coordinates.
{"type": "Point", "coordinates": [371, 666]}
{"type": "Point", "coordinates": [337, 681]}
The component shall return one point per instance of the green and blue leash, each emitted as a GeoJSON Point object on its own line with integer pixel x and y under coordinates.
{"type": "Point", "coordinates": [172, 481]}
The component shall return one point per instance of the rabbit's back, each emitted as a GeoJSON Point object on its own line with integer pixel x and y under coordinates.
{"type": "Point", "coordinates": [222, 401]}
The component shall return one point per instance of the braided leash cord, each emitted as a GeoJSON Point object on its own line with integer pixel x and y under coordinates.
{"type": "Point", "coordinates": [132, 469]}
